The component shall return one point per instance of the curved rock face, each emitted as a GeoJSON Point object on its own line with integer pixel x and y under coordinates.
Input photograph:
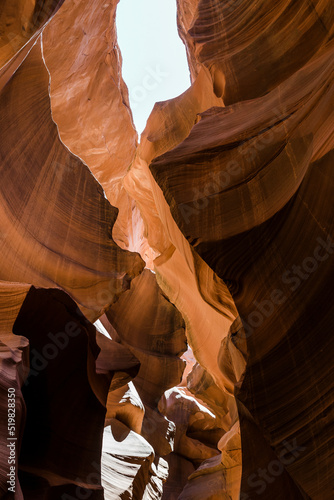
{"type": "Point", "coordinates": [249, 48]}
{"type": "Point", "coordinates": [43, 185]}
{"type": "Point", "coordinates": [62, 353]}
{"type": "Point", "coordinates": [255, 165]}
{"type": "Point", "coordinates": [21, 20]}
{"type": "Point", "coordinates": [210, 375]}
{"type": "Point", "coordinates": [56, 227]}
{"type": "Point", "coordinates": [104, 137]}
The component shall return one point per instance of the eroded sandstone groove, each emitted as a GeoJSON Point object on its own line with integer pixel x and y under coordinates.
{"type": "Point", "coordinates": [166, 313]}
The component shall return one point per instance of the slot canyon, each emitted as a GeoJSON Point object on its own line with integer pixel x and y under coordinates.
{"type": "Point", "coordinates": [166, 301]}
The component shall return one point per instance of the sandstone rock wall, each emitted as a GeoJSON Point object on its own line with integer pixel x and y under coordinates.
{"type": "Point", "coordinates": [207, 375]}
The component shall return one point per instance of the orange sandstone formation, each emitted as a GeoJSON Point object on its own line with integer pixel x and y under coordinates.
{"type": "Point", "coordinates": [211, 377]}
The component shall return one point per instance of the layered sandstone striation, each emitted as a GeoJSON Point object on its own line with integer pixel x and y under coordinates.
{"type": "Point", "coordinates": [206, 375]}
{"type": "Point", "coordinates": [262, 165]}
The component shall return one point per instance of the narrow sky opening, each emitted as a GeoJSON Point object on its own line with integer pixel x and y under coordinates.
{"type": "Point", "coordinates": [154, 57]}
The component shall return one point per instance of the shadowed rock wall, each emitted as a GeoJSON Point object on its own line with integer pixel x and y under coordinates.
{"type": "Point", "coordinates": [210, 377]}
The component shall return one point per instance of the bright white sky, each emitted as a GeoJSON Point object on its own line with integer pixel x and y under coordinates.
{"type": "Point", "coordinates": [154, 58]}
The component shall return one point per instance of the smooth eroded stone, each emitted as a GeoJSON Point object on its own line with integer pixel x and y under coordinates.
{"type": "Point", "coordinates": [126, 462]}
{"type": "Point", "coordinates": [55, 221]}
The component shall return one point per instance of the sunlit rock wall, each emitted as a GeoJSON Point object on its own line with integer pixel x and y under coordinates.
{"type": "Point", "coordinates": [208, 375]}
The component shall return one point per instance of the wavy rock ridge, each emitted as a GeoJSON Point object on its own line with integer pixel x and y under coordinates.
{"type": "Point", "coordinates": [208, 374]}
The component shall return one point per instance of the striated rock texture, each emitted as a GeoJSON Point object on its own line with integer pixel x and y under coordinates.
{"type": "Point", "coordinates": [263, 167]}
{"type": "Point", "coordinates": [207, 375]}
{"type": "Point", "coordinates": [21, 21]}
{"type": "Point", "coordinates": [79, 255]}
{"type": "Point", "coordinates": [145, 322]}
{"type": "Point", "coordinates": [104, 137]}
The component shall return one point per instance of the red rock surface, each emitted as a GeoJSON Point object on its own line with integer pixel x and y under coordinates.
{"type": "Point", "coordinates": [210, 377]}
